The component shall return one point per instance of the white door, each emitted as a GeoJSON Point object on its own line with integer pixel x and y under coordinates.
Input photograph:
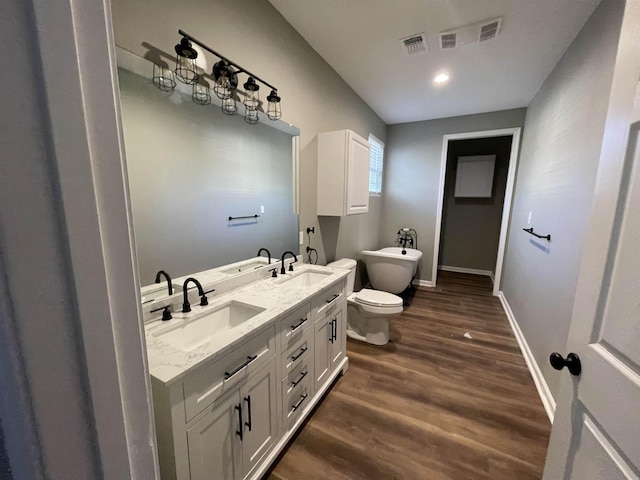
{"type": "Point", "coordinates": [596, 430]}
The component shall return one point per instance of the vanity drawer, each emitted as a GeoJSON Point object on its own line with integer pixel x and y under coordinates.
{"type": "Point", "coordinates": [295, 401]}
{"type": "Point", "coordinates": [327, 301]}
{"type": "Point", "coordinates": [293, 326]}
{"type": "Point", "coordinates": [204, 387]}
{"type": "Point", "coordinates": [295, 354]}
{"type": "Point", "coordinates": [297, 375]}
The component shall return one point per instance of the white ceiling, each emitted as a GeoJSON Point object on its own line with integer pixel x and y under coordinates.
{"type": "Point", "coordinates": [360, 40]}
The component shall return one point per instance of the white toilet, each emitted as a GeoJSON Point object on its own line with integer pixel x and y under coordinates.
{"type": "Point", "coordinates": [368, 311]}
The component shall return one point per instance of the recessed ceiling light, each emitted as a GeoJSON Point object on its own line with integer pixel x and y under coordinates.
{"type": "Point", "coordinates": [441, 78]}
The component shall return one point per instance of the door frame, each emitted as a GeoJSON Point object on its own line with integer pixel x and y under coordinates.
{"type": "Point", "coordinates": [515, 134]}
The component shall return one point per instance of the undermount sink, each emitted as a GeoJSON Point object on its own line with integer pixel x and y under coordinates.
{"type": "Point", "coordinates": [157, 291]}
{"type": "Point", "coordinates": [194, 333]}
{"type": "Point", "coordinates": [305, 279]}
{"type": "Point", "coordinates": [245, 267]}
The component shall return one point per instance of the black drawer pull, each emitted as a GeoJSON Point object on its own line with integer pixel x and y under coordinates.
{"type": "Point", "coordinates": [239, 431]}
{"type": "Point", "coordinates": [295, 383]}
{"type": "Point", "coordinates": [333, 298]}
{"type": "Point", "coordinates": [228, 375]}
{"type": "Point", "coordinates": [248, 400]}
{"type": "Point", "coordinates": [332, 336]}
{"type": "Point", "coordinates": [297, 405]}
{"type": "Point", "coordinates": [298, 325]}
{"type": "Point", "coordinates": [296, 357]}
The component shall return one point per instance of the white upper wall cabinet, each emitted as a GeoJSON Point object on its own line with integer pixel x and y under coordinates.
{"type": "Point", "coordinates": [343, 173]}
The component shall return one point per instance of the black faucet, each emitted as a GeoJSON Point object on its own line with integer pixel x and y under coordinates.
{"type": "Point", "coordinates": [264, 250]}
{"type": "Point", "coordinates": [166, 275]}
{"type": "Point", "coordinates": [295, 259]}
{"type": "Point", "coordinates": [186, 306]}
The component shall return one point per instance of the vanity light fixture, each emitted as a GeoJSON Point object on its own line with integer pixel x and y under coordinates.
{"type": "Point", "coordinates": [226, 80]}
{"type": "Point", "coordinates": [251, 100]}
{"type": "Point", "coordinates": [163, 78]}
{"type": "Point", "coordinates": [200, 94]}
{"type": "Point", "coordinates": [225, 75]}
{"type": "Point", "coordinates": [186, 62]}
{"type": "Point", "coordinates": [273, 109]}
{"type": "Point", "coordinates": [229, 105]}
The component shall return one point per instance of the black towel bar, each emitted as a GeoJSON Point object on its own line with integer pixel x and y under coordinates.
{"type": "Point", "coordinates": [530, 231]}
{"type": "Point", "coordinates": [246, 216]}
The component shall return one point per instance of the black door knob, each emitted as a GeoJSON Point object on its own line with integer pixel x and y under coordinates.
{"type": "Point", "coordinates": [572, 362]}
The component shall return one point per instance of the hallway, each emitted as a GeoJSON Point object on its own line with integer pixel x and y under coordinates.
{"type": "Point", "coordinates": [431, 404]}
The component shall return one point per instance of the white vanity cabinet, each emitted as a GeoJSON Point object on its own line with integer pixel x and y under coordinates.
{"type": "Point", "coordinates": [328, 310]}
{"type": "Point", "coordinates": [230, 417]}
{"type": "Point", "coordinates": [231, 437]}
{"type": "Point", "coordinates": [343, 173]}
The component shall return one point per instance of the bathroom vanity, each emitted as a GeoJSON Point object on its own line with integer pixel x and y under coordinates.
{"type": "Point", "coordinates": [233, 380]}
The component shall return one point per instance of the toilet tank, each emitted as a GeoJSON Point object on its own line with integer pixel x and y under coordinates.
{"type": "Point", "coordinates": [347, 264]}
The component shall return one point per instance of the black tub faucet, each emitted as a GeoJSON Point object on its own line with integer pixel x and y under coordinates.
{"type": "Point", "coordinates": [166, 275]}
{"type": "Point", "coordinates": [186, 306]}
{"type": "Point", "coordinates": [264, 250]}
{"type": "Point", "coordinates": [295, 259]}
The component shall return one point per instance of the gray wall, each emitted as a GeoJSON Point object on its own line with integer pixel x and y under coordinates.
{"type": "Point", "coordinates": [5, 469]}
{"type": "Point", "coordinates": [471, 226]}
{"type": "Point", "coordinates": [190, 168]}
{"type": "Point", "coordinates": [314, 97]}
{"type": "Point", "coordinates": [556, 176]}
{"type": "Point", "coordinates": [412, 173]}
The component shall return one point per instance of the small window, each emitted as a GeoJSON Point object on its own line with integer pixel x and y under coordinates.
{"type": "Point", "coordinates": [375, 165]}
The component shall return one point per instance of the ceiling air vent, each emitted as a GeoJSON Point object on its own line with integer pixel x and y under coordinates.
{"type": "Point", "coordinates": [490, 29]}
{"type": "Point", "coordinates": [448, 40]}
{"type": "Point", "coordinates": [415, 44]}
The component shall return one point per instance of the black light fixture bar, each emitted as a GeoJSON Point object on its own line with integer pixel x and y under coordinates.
{"type": "Point", "coordinates": [221, 57]}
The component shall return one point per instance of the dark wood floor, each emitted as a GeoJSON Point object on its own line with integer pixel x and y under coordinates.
{"type": "Point", "coordinates": [431, 404]}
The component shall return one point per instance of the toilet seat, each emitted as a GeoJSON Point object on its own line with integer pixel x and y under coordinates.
{"type": "Point", "coordinates": [376, 298]}
{"type": "Point", "coordinates": [377, 302]}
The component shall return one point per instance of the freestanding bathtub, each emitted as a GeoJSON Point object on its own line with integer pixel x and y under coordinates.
{"type": "Point", "coordinates": [389, 270]}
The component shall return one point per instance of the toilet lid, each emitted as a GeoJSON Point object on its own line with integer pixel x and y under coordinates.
{"type": "Point", "coordinates": [376, 298]}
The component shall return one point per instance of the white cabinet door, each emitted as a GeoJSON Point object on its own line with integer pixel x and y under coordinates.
{"type": "Point", "coordinates": [337, 340]}
{"type": "Point", "coordinates": [358, 160]}
{"type": "Point", "coordinates": [260, 421]}
{"type": "Point", "coordinates": [214, 442]}
{"type": "Point", "coordinates": [323, 333]}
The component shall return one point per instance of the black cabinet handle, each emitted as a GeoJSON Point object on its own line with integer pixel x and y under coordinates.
{"type": "Point", "coordinates": [228, 375]}
{"type": "Point", "coordinates": [331, 337]}
{"type": "Point", "coordinates": [297, 405]}
{"type": "Point", "coordinates": [239, 431]}
{"type": "Point", "coordinates": [298, 325]}
{"type": "Point", "coordinates": [333, 298]}
{"type": "Point", "coordinates": [248, 400]}
{"type": "Point", "coordinates": [572, 362]}
{"type": "Point", "coordinates": [296, 357]}
{"type": "Point", "coordinates": [295, 383]}
{"type": "Point", "coordinates": [335, 328]}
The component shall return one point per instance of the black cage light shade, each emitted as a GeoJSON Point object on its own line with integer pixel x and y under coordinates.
{"type": "Point", "coordinates": [274, 112]}
{"type": "Point", "coordinates": [186, 56]}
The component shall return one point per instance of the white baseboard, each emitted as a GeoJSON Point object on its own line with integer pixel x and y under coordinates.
{"type": "Point", "coordinates": [422, 283]}
{"type": "Point", "coordinates": [541, 385]}
{"type": "Point", "coordinates": [472, 271]}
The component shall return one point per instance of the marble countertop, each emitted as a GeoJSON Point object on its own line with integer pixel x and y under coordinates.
{"type": "Point", "coordinates": [169, 364]}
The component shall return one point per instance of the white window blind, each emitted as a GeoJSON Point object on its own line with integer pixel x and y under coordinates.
{"type": "Point", "coordinates": [375, 166]}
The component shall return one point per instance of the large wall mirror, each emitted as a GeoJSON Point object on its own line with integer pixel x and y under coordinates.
{"type": "Point", "coordinates": [191, 167]}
